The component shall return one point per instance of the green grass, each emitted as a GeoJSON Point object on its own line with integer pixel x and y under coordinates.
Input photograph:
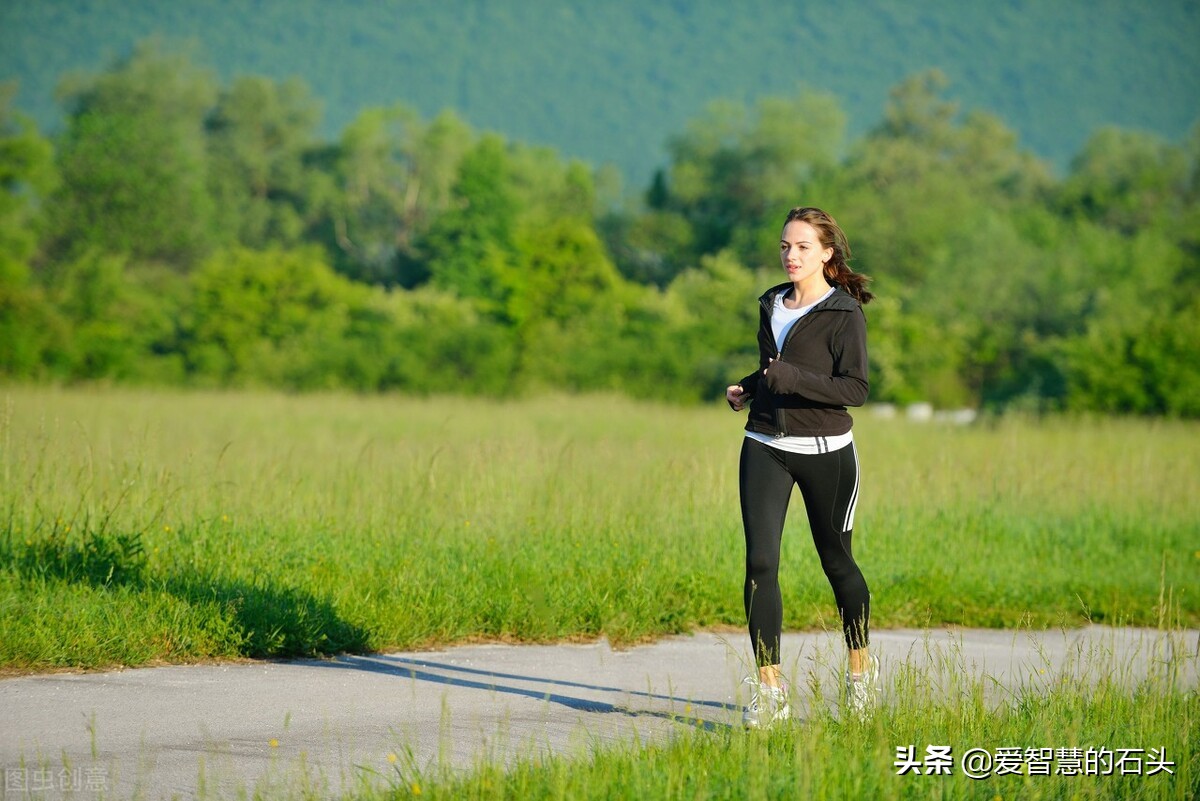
{"type": "Point", "coordinates": [139, 526]}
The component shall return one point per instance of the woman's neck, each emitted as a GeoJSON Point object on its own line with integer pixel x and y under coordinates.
{"type": "Point", "coordinates": [809, 292]}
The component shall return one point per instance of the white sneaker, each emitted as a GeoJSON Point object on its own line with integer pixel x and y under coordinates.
{"type": "Point", "coordinates": [768, 705]}
{"type": "Point", "coordinates": [862, 693]}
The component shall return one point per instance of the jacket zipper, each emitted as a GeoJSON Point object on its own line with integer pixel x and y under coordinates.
{"type": "Point", "coordinates": [780, 426]}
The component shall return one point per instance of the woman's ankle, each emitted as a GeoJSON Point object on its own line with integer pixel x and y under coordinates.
{"type": "Point", "coordinates": [770, 676]}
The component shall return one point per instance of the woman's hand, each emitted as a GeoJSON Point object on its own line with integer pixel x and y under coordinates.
{"type": "Point", "coordinates": [782, 377]}
{"type": "Point", "coordinates": [735, 396]}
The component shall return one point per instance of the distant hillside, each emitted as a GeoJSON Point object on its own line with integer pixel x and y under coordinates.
{"type": "Point", "coordinates": [611, 80]}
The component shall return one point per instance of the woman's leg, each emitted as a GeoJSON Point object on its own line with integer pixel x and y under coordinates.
{"type": "Point", "coordinates": [765, 487]}
{"type": "Point", "coordinates": [829, 484]}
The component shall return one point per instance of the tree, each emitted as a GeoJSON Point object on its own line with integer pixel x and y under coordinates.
{"type": "Point", "coordinates": [122, 319]}
{"type": "Point", "coordinates": [1135, 351]}
{"type": "Point", "coordinates": [471, 248]}
{"type": "Point", "coordinates": [133, 161]}
{"type": "Point", "coordinates": [714, 317]}
{"type": "Point", "coordinates": [395, 175]}
{"type": "Point", "coordinates": [1126, 179]}
{"type": "Point", "coordinates": [265, 316]}
{"type": "Point", "coordinates": [26, 177]}
{"type": "Point", "coordinates": [258, 136]}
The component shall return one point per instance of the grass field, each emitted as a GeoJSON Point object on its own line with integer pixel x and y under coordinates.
{"type": "Point", "coordinates": [143, 526]}
{"type": "Point", "coordinates": [147, 526]}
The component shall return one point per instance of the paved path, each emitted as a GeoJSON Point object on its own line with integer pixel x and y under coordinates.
{"type": "Point", "coordinates": [222, 730]}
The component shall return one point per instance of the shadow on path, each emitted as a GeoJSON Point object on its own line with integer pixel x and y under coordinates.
{"type": "Point", "coordinates": [419, 670]}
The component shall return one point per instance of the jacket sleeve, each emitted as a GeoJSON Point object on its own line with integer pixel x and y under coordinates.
{"type": "Point", "coordinates": [750, 383]}
{"type": "Point", "coordinates": [847, 385]}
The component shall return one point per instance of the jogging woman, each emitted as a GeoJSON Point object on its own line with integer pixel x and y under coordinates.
{"type": "Point", "coordinates": [812, 346]}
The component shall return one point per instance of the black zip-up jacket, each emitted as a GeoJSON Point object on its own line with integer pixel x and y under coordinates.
{"type": "Point", "coordinates": [821, 369]}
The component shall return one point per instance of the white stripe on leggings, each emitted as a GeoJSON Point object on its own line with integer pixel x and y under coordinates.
{"type": "Point", "coordinates": [853, 495]}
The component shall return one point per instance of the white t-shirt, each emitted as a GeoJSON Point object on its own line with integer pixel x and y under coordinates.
{"type": "Point", "coordinates": [783, 318]}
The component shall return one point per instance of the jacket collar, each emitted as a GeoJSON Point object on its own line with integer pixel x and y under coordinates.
{"type": "Point", "coordinates": [840, 300]}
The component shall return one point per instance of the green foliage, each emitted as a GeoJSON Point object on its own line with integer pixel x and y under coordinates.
{"type": "Point", "coordinates": [92, 557]}
{"type": "Point", "coordinates": [438, 344]}
{"type": "Point", "coordinates": [1126, 180]}
{"type": "Point", "coordinates": [89, 292]}
{"type": "Point", "coordinates": [651, 247]}
{"type": "Point", "coordinates": [107, 319]}
{"type": "Point", "coordinates": [713, 307]}
{"type": "Point", "coordinates": [565, 273]}
{"type": "Point", "coordinates": [611, 82]}
{"type": "Point", "coordinates": [204, 235]}
{"type": "Point", "coordinates": [395, 175]}
{"type": "Point", "coordinates": [258, 135]}
{"type": "Point", "coordinates": [133, 161]}
{"type": "Point", "coordinates": [471, 248]}
{"type": "Point", "coordinates": [1141, 361]}
{"type": "Point", "coordinates": [285, 318]}
{"type": "Point", "coordinates": [28, 328]}
{"type": "Point", "coordinates": [27, 174]}
{"type": "Point", "coordinates": [263, 316]}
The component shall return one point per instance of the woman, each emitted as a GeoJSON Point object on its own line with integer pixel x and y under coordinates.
{"type": "Point", "coordinates": [812, 345]}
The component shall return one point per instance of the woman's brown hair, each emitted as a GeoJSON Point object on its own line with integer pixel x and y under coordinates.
{"type": "Point", "coordinates": [837, 269]}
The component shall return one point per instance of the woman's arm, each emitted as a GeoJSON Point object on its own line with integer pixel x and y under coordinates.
{"type": "Point", "coordinates": [847, 385]}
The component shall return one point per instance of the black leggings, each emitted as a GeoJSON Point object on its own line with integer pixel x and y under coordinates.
{"type": "Point", "coordinates": [829, 485]}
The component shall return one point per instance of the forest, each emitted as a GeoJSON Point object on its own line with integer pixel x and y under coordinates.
{"type": "Point", "coordinates": [610, 82]}
{"type": "Point", "coordinates": [184, 230]}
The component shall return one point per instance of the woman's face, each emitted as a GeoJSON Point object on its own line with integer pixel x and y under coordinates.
{"type": "Point", "coordinates": [801, 253]}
